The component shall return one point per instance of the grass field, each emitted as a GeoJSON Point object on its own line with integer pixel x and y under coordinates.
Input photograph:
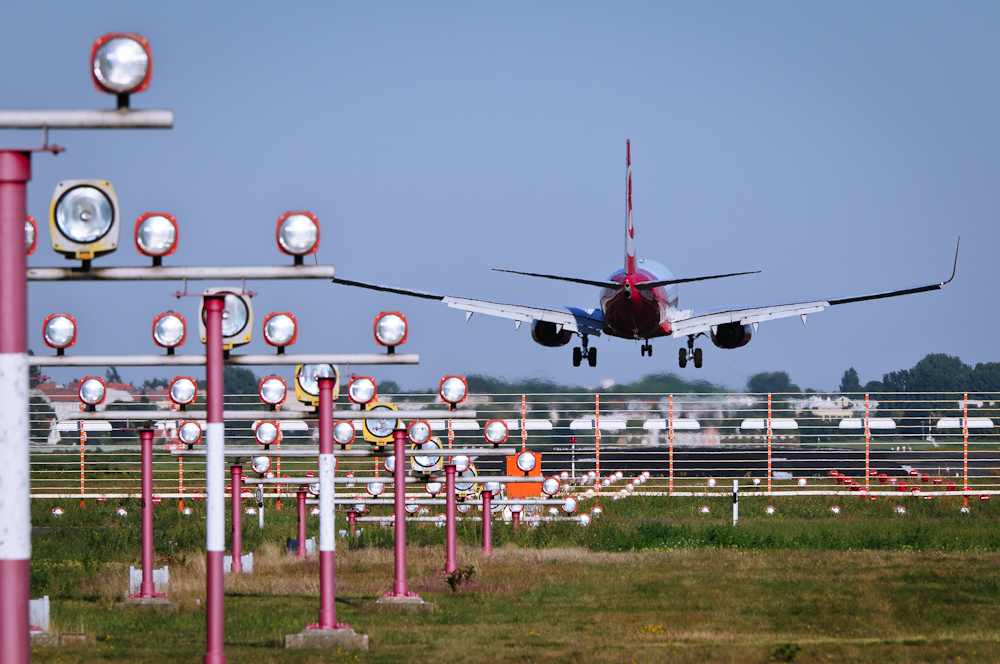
{"type": "Point", "coordinates": [652, 581]}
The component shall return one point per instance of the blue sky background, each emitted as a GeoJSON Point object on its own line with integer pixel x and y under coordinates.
{"type": "Point", "coordinates": [839, 147]}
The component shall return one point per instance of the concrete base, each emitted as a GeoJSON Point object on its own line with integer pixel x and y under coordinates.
{"type": "Point", "coordinates": [146, 604]}
{"type": "Point", "coordinates": [326, 639]}
{"type": "Point", "coordinates": [46, 640]}
{"type": "Point", "coordinates": [401, 604]}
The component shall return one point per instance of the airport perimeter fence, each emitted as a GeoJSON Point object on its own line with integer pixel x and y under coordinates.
{"type": "Point", "coordinates": [689, 444]}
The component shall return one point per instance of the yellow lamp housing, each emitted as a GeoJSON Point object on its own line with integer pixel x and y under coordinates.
{"type": "Point", "coordinates": [306, 385]}
{"type": "Point", "coordinates": [84, 219]}
{"type": "Point", "coordinates": [380, 431]}
{"type": "Point", "coordinates": [237, 317]}
{"type": "Point", "coordinates": [465, 484]}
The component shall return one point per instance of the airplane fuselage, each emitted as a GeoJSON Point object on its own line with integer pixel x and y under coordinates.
{"type": "Point", "coordinates": [633, 314]}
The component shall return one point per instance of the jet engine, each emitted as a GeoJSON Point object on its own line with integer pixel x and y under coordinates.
{"type": "Point", "coordinates": [549, 334]}
{"type": "Point", "coordinates": [732, 335]}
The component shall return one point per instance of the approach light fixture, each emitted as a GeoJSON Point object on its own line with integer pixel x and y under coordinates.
{"type": "Point", "coordinates": [493, 488]}
{"type": "Point", "coordinates": [189, 432]}
{"type": "Point", "coordinates": [463, 485]}
{"type": "Point", "coordinates": [30, 235]}
{"type": "Point", "coordinates": [495, 432]}
{"type": "Point", "coordinates": [362, 390]}
{"type": "Point", "coordinates": [389, 463]}
{"type": "Point", "coordinates": [350, 480]}
{"type": "Point", "coordinates": [569, 505]}
{"type": "Point", "coordinates": [84, 219]}
{"type": "Point", "coordinates": [390, 330]}
{"type": "Point", "coordinates": [298, 234]}
{"type": "Point", "coordinates": [433, 488]}
{"type": "Point", "coordinates": [453, 390]}
{"type": "Point", "coordinates": [307, 382]}
{"type": "Point", "coordinates": [272, 390]}
{"type": "Point", "coordinates": [379, 430]}
{"type": "Point", "coordinates": [156, 236]}
{"type": "Point", "coordinates": [461, 462]}
{"type": "Point", "coordinates": [122, 64]}
{"type": "Point", "coordinates": [280, 330]}
{"type": "Point", "coordinates": [169, 331]}
{"type": "Point", "coordinates": [92, 392]}
{"type": "Point", "coordinates": [314, 488]}
{"type": "Point", "coordinates": [266, 433]}
{"type": "Point", "coordinates": [429, 463]}
{"type": "Point", "coordinates": [375, 488]}
{"type": "Point", "coordinates": [59, 332]}
{"type": "Point", "coordinates": [183, 391]}
{"type": "Point", "coordinates": [526, 462]}
{"type": "Point", "coordinates": [419, 432]}
{"type": "Point", "coordinates": [260, 464]}
{"type": "Point", "coordinates": [237, 317]}
{"type": "Point", "coordinates": [550, 486]}
{"type": "Point", "coordinates": [343, 433]}
{"type": "Point", "coordinates": [411, 506]}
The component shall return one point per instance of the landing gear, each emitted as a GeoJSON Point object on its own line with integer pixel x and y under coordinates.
{"type": "Point", "coordinates": [646, 349]}
{"type": "Point", "coordinates": [584, 351]}
{"type": "Point", "coordinates": [689, 353]}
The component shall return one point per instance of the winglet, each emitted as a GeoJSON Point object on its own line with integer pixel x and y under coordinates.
{"type": "Point", "coordinates": [955, 268]}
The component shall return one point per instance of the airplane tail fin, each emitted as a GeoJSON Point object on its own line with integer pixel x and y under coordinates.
{"type": "Point", "coordinates": [629, 231]}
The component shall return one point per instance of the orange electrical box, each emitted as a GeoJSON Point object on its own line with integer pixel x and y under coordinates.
{"type": "Point", "coordinates": [524, 489]}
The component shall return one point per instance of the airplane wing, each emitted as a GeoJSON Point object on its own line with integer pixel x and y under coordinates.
{"type": "Point", "coordinates": [694, 321]}
{"type": "Point", "coordinates": [580, 321]}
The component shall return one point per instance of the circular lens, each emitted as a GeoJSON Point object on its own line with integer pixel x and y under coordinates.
{"type": "Point", "coordinates": [389, 464]}
{"type": "Point", "coordinates": [569, 505]}
{"type": "Point", "coordinates": [390, 330]}
{"type": "Point", "coordinates": [266, 433]}
{"type": "Point", "coordinates": [156, 235]}
{"type": "Point", "coordinates": [466, 486]}
{"type": "Point", "coordinates": [375, 488]}
{"type": "Point", "coordinates": [261, 464]}
{"type": "Point", "coordinates": [59, 331]}
{"type": "Point", "coordinates": [272, 390]}
{"type": "Point", "coordinates": [526, 461]}
{"type": "Point", "coordinates": [84, 214]}
{"type": "Point", "coordinates": [461, 462]}
{"type": "Point", "coordinates": [308, 377]}
{"type": "Point", "coordinates": [361, 390]}
{"type": "Point", "coordinates": [234, 315]}
{"type": "Point", "coordinates": [463, 508]}
{"type": "Point", "coordinates": [279, 329]}
{"type": "Point", "coordinates": [411, 506]}
{"type": "Point", "coordinates": [169, 330]}
{"type": "Point", "coordinates": [517, 509]}
{"type": "Point", "coordinates": [453, 389]}
{"type": "Point", "coordinates": [298, 234]}
{"type": "Point", "coordinates": [314, 488]}
{"type": "Point", "coordinates": [92, 391]}
{"type": "Point", "coordinates": [343, 433]}
{"type": "Point", "coordinates": [584, 519]}
{"type": "Point", "coordinates": [121, 64]}
{"type": "Point", "coordinates": [189, 433]}
{"type": "Point", "coordinates": [550, 486]}
{"type": "Point", "coordinates": [496, 431]}
{"type": "Point", "coordinates": [492, 487]}
{"type": "Point", "coordinates": [382, 427]}
{"type": "Point", "coordinates": [419, 432]}
{"type": "Point", "coordinates": [29, 235]}
{"type": "Point", "coordinates": [428, 461]}
{"type": "Point", "coordinates": [433, 488]}
{"type": "Point", "coordinates": [350, 480]}
{"type": "Point", "coordinates": [183, 391]}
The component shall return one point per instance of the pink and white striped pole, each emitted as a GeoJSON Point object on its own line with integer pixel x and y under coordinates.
{"type": "Point", "coordinates": [15, 512]}
{"type": "Point", "coordinates": [215, 468]}
{"type": "Point", "coordinates": [487, 524]}
{"type": "Point", "coordinates": [236, 503]}
{"type": "Point", "coordinates": [450, 557]}
{"type": "Point", "coordinates": [147, 589]}
{"type": "Point", "coordinates": [327, 513]}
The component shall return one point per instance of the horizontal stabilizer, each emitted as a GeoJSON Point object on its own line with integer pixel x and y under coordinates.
{"type": "Point", "coordinates": [646, 285]}
{"type": "Point", "coordinates": [599, 284]}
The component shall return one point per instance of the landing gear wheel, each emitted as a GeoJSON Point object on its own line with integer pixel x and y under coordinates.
{"type": "Point", "coordinates": [697, 358]}
{"type": "Point", "coordinates": [577, 356]}
{"type": "Point", "coordinates": [682, 357]}
{"type": "Point", "coordinates": [646, 349]}
{"type": "Point", "coordinates": [592, 357]}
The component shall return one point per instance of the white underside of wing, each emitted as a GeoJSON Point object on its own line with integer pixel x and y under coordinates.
{"type": "Point", "coordinates": [695, 321]}
{"type": "Point", "coordinates": [581, 321]}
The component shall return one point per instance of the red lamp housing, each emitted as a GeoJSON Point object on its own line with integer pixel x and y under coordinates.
{"type": "Point", "coordinates": [105, 86]}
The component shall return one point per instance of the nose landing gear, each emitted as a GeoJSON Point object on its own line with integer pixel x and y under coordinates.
{"type": "Point", "coordinates": [646, 349]}
{"type": "Point", "coordinates": [689, 353]}
{"type": "Point", "coordinates": [584, 351]}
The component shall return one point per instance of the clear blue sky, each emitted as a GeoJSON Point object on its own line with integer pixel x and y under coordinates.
{"type": "Point", "coordinates": [839, 147]}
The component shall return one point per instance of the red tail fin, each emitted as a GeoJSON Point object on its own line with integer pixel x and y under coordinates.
{"type": "Point", "coordinates": [629, 231]}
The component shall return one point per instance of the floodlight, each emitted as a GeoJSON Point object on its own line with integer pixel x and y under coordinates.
{"type": "Point", "coordinates": [59, 332]}
{"type": "Point", "coordinates": [411, 506]}
{"type": "Point", "coordinates": [266, 433]}
{"type": "Point", "coordinates": [453, 389]}
{"type": "Point", "coordinates": [569, 505]}
{"type": "Point", "coordinates": [596, 512]}
{"type": "Point", "coordinates": [516, 509]}
{"type": "Point", "coordinates": [390, 330]}
{"type": "Point", "coordinates": [433, 488]}
{"type": "Point", "coordinates": [156, 236]}
{"type": "Point", "coordinates": [189, 432]}
{"type": "Point", "coordinates": [464, 488]}
{"type": "Point", "coordinates": [169, 331]}
{"type": "Point", "coordinates": [419, 432]}
{"type": "Point", "coordinates": [298, 234]}
{"type": "Point", "coordinates": [272, 390]}
{"type": "Point", "coordinates": [550, 486]}
{"type": "Point", "coordinates": [307, 382]}
{"type": "Point", "coordinates": [343, 433]}
{"type": "Point", "coordinates": [584, 519]}
{"type": "Point", "coordinates": [495, 431]}
{"type": "Point", "coordinates": [260, 464]}
{"type": "Point", "coordinates": [30, 235]}
{"type": "Point", "coordinates": [350, 480]}
{"type": "Point", "coordinates": [362, 390]}
{"type": "Point", "coordinates": [183, 391]}
{"type": "Point", "coordinates": [492, 487]}
{"type": "Point", "coordinates": [237, 317]}
{"type": "Point", "coordinates": [84, 219]}
{"type": "Point", "coordinates": [122, 64]}
{"type": "Point", "coordinates": [464, 508]}
{"type": "Point", "coordinates": [375, 488]}
{"type": "Point", "coordinates": [526, 462]}
{"type": "Point", "coordinates": [426, 464]}
{"type": "Point", "coordinates": [92, 391]}
{"type": "Point", "coordinates": [461, 462]}
{"type": "Point", "coordinates": [314, 488]}
{"type": "Point", "coordinates": [280, 330]}
{"type": "Point", "coordinates": [379, 431]}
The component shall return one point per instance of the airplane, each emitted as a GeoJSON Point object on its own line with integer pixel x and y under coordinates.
{"type": "Point", "coordinates": [640, 302]}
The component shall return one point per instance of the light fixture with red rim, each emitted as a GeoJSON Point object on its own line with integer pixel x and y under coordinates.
{"type": "Point", "coordinates": [280, 330]}
{"type": "Point", "coordinates": [189, 432]}
{"type": "Point", "coordinates": [453, 390]}
{"type": "Point", "coordinates": [30, 235]}
{"type": "Point", "coordinates": [362, 390]}
{"type": "Point", "coordinates": [59, 332]}
{"type": "Point", "coordinates": [169, 331]}
{"type": "Point", "coordinates": [495, 432]}
{"type": "Point", "coordinates": [183, 391]}
{"type": "Point", "coordinates": [156, 236]}
{"type": "Point", "coordinates": [266, 433]}
{"type": "Point", "coordinates": [343, 433]}
{"type": "Point", "coordinates": [298, 234]}
{"type": "Point", "coordinates": [419, 432]}
{"type": "Point", "coordinates": [92, 391]}
{"type": "Point", "coordinates": [272, 390]}
{"type": "Point", "coordinates": [121, 64]}
{"type": "Point", "coordinates": [390, 330]}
